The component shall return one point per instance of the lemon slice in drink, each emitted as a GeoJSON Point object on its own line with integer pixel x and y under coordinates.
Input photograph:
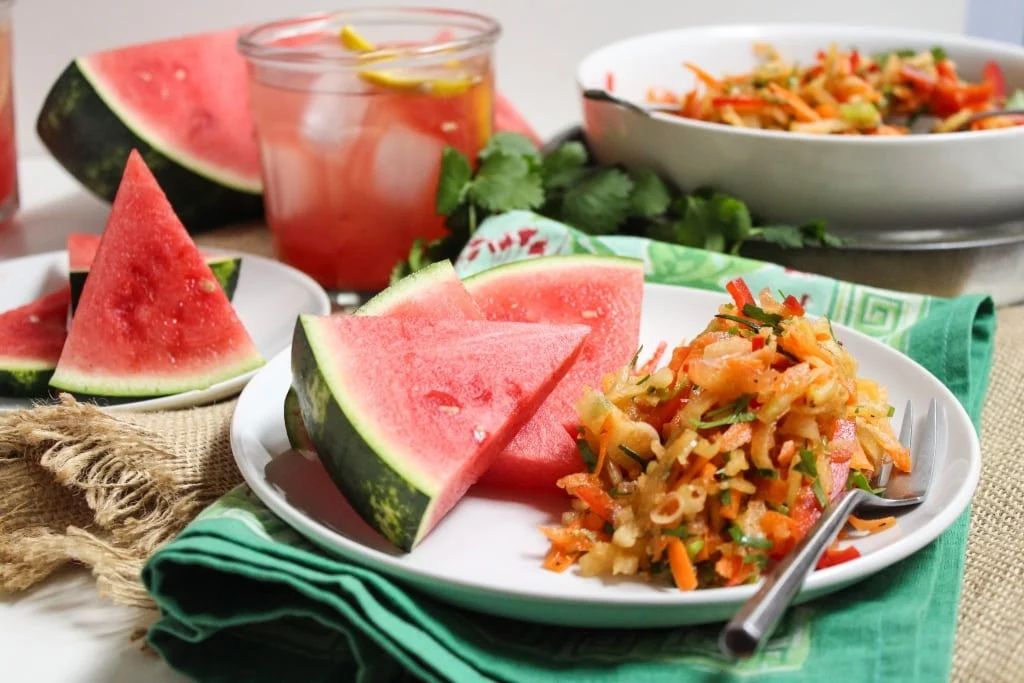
{"type": "Point", "coordinates": [392, 79]}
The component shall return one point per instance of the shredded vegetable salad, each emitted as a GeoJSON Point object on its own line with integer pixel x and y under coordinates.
{"type": "Point", "coordinates": [846, 93]}
{"type": "Point", "coordinates": [711, 467]}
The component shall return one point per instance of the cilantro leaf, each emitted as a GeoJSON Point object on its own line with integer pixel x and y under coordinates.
{"type": "Point", "coordinates": [773, 320]}
{"type": "Point", "coordinates": [807, 464]}
{"type": "Point", "coordinates": [453, 181]}
{"type": "Point", "coordinates": [731, 219]}
{"type": "Point", "coordinates": [749, 541]}
{"type": "Point", "coordinates": [564, 166]}
{"type": "Point", "coordinates": [730, 413]}
{"type": "Point", "coordinates": [650, 196]}
{"type": "Point", "coordinates": [632, 454]}
{"type": "Point", "coordinates": [505, 183]}
{"type": "Point", "coordinates": [598, 204]}
{"type": "Point", "coordinates": [858, 480]}
{"type": "Point", "coordinates": [785, 236]}
{"type": "Point", "coordinates": [510, 144]}
{"type": "Point", "coordinates": [939, 53]}
{"type": "Point", "coordinates": [679, 532]}
{"type": "Point", "coordinates": [587, 454]}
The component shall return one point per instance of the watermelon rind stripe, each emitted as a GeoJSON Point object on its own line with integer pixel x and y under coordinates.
{"type": "Point", "coordinates": [21, 378]}
{"type": "Point", "coordinates": [382, 302]}
{"type": "Point", "coordinates": [386, 492]}
{"type": "Point", "coordinates": [87, 135]}
{"type": "Point", "coordinates": [140, 386]}
{"type": "Point", "coordinates": [551, 263]}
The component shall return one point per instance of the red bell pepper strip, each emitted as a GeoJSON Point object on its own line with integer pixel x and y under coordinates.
{"type": "Point", "coordinates": [793, 305]}
{"type": "Point", "coordinates": [854, 61]}
{"type": "Point", "coordinates": [921, 81]}
{"type": "Point", "coordinates": [740, 104]}
{"type": "Point", "coordinates": [833, 557]}
{"type": "Point", "coordinates": [740, 293]}
{"type": "Point", "coordinates": [757, 343]}
{"type": "Point", "coordinates": [993, 75]}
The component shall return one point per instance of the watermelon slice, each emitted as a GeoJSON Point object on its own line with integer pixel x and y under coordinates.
{"type": "Point", "coordinates": [183, 103]}
{"type": "Point", "coordinates": [31, 338]}
{"type": "Point", "coordinates": [407, 413]}
{"type": "Point", "coordinates": [433, 292]}
{"type": "Point", "coordinates": [152, 320]}
{"type": "Point", "coordinates": [82, 250]}
{"type": "Point", "coordinates": [603, 292]}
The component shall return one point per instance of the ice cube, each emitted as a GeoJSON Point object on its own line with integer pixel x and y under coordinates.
{"type": "Point", "coordinates": [405, 165]}
{"type": "Point", "coordinates": [336, 109]}
{"type": "Point", "coordinates": [293, 178]}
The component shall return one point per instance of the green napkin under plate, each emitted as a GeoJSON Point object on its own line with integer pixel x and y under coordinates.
{"type": "Point", "coordinates": [245, 598]}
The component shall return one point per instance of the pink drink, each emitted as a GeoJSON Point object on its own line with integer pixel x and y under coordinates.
{"type": "Point", "coordinates": [351, 154]}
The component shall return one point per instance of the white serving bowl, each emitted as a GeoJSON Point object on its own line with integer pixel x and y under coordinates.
{"type": "Point", "coordinates": [858, 184]}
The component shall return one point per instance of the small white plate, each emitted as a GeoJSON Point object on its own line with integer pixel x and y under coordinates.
{"type": "Point", "coordinates": [486, 554]}
{"type": "Point", "coordinates": [268, 298]}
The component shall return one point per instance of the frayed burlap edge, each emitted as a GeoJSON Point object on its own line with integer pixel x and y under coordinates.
{"type": "Point", "coordinates": [84, 486]}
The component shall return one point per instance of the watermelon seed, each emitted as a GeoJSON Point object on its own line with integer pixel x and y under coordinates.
{"type": "Point", "coordinates": [33, 319]}
{"type": "Point", "coordinates": [449, 127]}
{"type": "Point", "coordinates": [146, 76]}
{"type": "Point", "coordinates": [207, 286]}
{"type": "Point", "coordinates": [588, 315]}
{"type": "Point", "coordinates": [479, 434]}
{"type": "Point", "coordinates": [449, 410]}
{"type": "Point", "coordinates": [179, 74]}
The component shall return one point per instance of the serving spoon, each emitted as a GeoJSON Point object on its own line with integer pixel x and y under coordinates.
{"type": "Point", "coordinates": [647, 109]}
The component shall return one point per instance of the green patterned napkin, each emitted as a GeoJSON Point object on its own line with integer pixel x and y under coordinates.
{"type": "Point", "coordinates": [244, 598]}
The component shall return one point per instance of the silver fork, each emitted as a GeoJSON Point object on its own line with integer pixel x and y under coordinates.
{"type": "Point", "coordinates": [758, 617]}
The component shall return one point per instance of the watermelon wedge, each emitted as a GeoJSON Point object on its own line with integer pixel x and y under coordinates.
{"type": "Point", "coordinates": [433, 292]}
{"type": "Point", "coordinates": [152, 320]}
{"type": "Point", "coordinates": [182, 103]}
{"type": "Point", "coordinates": [407, 413]}
{"type": "Point", "coordinates": [82, 250]}
{"type": "Point", "coordinates": [602, 292]}
{"type": "Point", "coordinates": [31, 339]}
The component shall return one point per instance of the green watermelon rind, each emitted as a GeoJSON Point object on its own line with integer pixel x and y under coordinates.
{"type": "Point", "coordinates": [550, 263]}
{"type": "Point", "coordinates": [118, 388]}
{"type": "Point", "coordinates": [91, 138]}
{"type": "Point", "coordinates": [225, 270]}
{"type": "Point", "coordinates": [294, 427]}
{"type": "Point", "coordinates": [380, 488]}
{"type": "Point", "coordinates": [23, 378]}
{"type": "Point", "coordinates": [381, 303]}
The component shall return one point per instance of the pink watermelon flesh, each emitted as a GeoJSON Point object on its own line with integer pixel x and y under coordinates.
{"type": "Point", "coordinates": [190, 95]}
{"type": "Point", "coordinates": [82, 250]}
{"type": "Point", "coordinates": [152, 320]}
{"type": "Point", "coordinates": [32, 336]}
{"type": "Point", "coordinates": [433, 292]}
{"type": "Point", "coordinates": [602, 292]}
{"type": "Point", "coordinates": [439, 399]}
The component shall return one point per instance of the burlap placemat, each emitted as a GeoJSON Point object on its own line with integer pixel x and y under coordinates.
{"type": "Point", "coordinates": [105, 490]}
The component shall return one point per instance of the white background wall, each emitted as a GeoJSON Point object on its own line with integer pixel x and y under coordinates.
{"type": "Point", "coordinates": [542, 42]}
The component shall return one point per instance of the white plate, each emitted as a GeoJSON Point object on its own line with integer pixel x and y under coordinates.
{"type": "Point", "coordinates": [268, 298]}
{"type": "Point", "coordinates": [486, 554]}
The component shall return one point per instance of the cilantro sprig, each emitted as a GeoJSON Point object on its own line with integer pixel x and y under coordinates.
{"type": "Point", "coordinates": [730, 413]}
{"type": "Point", "coordinates": [512, 174]}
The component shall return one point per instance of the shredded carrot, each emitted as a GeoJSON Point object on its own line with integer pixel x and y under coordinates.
{"type": "Point", "coordinates": [558, 561]}
{"type": "Point", "coordinates": [682, 568]}
{"type": "Point", "coordinates": [735, 436]}
{"type": "Point", "coordinates": [703, 76]}
{"type": "Point", "coordinates": [786, 453]}
{"type": "Point", "coordinates": [800, 108]}
{"type": "Point", "coordinates": [872, 526]}
{"type": "Point", "coordinates": [732, 510]}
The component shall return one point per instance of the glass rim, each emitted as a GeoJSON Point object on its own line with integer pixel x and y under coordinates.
{"type": "Point", "coordinates": [254, 49]}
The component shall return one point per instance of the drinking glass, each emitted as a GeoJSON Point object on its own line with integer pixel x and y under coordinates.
{"type": "Point", "coordinates": [8, 152]}
{"type": "Point", "coordinates": [353, 111]}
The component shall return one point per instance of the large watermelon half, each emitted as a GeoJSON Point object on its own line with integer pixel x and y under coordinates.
{"type": "Point", "coordinates": [602, 292]}
{"type": "Point", "coordinates": [82, 250]}
{"type": "Point", "coordinates": [183, 104]}
{"type": "Point", "coordinates": [152, 319]}
{"type": "Point", "coordinates": [433, 292]}
{"type": "Point", "coordinates": [31, 339]}
{"type": "Point", "coordinates": [406, 413]}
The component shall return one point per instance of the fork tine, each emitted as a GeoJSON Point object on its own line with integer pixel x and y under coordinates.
{"type": "Point", "coordinates": [906, 438]}
{"type": "Point", "coordinates": [927, 447]}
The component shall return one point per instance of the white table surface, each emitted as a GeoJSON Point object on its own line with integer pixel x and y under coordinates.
{"type": "Point", "coordinates": [62, 632]}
